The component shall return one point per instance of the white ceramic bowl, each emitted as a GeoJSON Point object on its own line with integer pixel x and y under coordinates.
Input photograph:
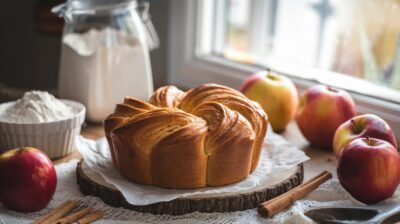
{"type": "Point", "coordinates": [56, 138]}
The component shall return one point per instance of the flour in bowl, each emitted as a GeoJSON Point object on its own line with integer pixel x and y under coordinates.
{"type": "Point", "coordinates": [35, 107]}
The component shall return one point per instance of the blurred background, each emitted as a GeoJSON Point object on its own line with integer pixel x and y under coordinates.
{"type": "Point", "coordinates": [356, 38]}
{"type": "Point", "coordinates": [31, 41]}
{"type": "Point", "coordinates": [352, 37]}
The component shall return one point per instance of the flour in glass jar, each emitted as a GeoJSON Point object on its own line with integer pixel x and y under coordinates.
{"type": "Point", "coordinates": [100, 67]}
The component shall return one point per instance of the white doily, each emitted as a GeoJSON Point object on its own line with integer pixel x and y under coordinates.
{"type": "Point", "coordinates": [330, 193]}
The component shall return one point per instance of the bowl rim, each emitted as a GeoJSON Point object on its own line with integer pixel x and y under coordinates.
{"type": "Point", "coordinates": [81, 110]}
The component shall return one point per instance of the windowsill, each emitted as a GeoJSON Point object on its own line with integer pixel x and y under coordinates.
{"type": "Point", "coordinates": [307, 76]}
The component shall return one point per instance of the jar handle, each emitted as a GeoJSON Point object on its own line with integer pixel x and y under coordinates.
{"type": "Point", "coordinates": [62, 10]}
{"type": "Point", "coordinates": [153, 40]}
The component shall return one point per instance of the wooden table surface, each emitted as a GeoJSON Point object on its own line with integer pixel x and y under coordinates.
{"type": "Point", "coordinates": [319, 160]}
{"type": "Point", "coordinates": [90, 131]}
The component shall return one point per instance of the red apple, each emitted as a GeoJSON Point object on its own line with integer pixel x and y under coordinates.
{"type": "Point", "coordinates": [369, 169]}
{"type": "Point", "coordinates": [322, 109]}
{"type": "Point", "coordinates": [276, 94]}
{"type": "Point", "coordinates": [366, 125]}
{"type": "Point", "coordinates": [28, 179]}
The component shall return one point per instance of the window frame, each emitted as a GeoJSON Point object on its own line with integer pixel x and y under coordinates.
{"type": "Point", "coordinates": [187, 67]}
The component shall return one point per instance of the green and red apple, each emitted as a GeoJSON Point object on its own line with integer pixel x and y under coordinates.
{"type": "Point", "coordinates": [276, 94]}
{"type": "Point", "coordinates": [365, 125]}
{"type": "Point", "coordinates": [322, 110]}
{"type": "Point", "coordinates": [27, 179]}
{"type": "Point", "coordinates": [369, 169]}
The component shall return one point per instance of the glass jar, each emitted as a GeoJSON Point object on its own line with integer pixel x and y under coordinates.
{"type": "Point", "coordinates": [104, 55]}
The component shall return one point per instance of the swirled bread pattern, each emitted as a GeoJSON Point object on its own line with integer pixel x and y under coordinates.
{"type": "Point", "coordinates": [211, 135]}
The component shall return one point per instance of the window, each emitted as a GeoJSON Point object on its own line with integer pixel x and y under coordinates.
{"type": "Point", "coordinates": [350, 44]}
{"type": "Point", "coordinates": [346, 37]}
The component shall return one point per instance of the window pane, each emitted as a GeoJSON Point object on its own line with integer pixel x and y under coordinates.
{"type": "Point", "coordinates": [237, 32]}
{"type": "Point", "coordinates": [353, 37]}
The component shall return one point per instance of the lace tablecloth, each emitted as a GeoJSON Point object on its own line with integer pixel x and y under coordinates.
{"type": "Point", "coordinates": [330, 193]}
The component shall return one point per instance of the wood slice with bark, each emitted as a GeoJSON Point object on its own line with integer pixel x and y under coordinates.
{"type": "Point", "coordinates": [226, 203]}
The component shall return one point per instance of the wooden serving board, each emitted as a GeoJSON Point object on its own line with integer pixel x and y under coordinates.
{"type": "Point", "coordinates": [91, 183]}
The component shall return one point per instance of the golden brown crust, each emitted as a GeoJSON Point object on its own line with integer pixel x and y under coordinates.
{"type": "Point", "coordinates": [138, 103]}
{"type": "Point", "coordinates": [110, 124]}
{"type": "Point", "coordinates": [179, 161]}
{"type": "Point", "coordinates": [228, 144]}
{"type": "Point", "coordinates": [236, 101]}
{"type": "Point", "coordinates": [167, 96]}
{"type": "Point", "coordinates": [135, 141]}
{"type": "Point", "coordinates": [122, 114]}
{"type": "Point", "coordinates": [258, 121]}
{"type": "Point", "coordinates": [209, 136]}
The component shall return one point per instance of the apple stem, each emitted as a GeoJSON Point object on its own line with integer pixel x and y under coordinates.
{"type": "Point", "coordinates": [356, 128]}
{"type": "Point", "coordinates": [368, 140]}
{"type": "Point", "coordinates": [330, 88]}
{"type": "Point", "coordinates": [272, 76]}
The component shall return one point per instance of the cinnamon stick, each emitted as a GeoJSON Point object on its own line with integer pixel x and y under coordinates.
{"type": "Point", "coordinates": [59, 212]}
{"type": "Point", "coordinates": [46, 216]}
{"type": "Point", "coordinates": [74, 216]}
{"type": "Point", "coordinates": [273, 206]}
{"type": "Point", "coordinates": [91, 217]}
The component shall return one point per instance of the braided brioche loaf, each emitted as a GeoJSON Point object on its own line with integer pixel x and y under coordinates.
{"type": "Point", "coordinates": [209, 136]}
